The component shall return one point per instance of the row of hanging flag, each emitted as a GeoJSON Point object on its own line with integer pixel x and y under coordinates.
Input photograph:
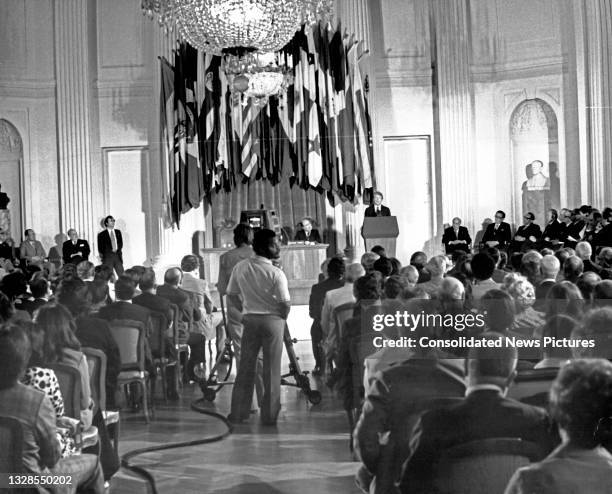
{"type": "Point", "coordinates": [318, 132]}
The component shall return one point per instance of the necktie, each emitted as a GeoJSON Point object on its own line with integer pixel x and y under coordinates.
{"type": "Point", "coordinates": [377, 211]}
{"type": "Point", "coordinates": [113, 240]}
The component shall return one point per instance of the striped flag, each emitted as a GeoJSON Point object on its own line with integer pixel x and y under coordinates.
{"type": "Point", "coordinates": [167, 141]}
{"type": "Point", "coordinates": [362, 147]}
{"type": "Point", "coordinates": [249, 139]}
{"type": "Point", "coordinates": [315, 162]}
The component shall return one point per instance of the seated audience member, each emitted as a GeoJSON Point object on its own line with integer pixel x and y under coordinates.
{"type": "Point", "coordinates": [572, 268]}
{"type": "Point", "coordinates": [135, 275]}
{"type": "Point", "coordinates": [549, 267]}
{"type": "Point", "coordinates": [367, 261]}
{"type": "Point", "coordinates": [40, 291]}
{"type": "Point", "coordinates": [396, 266]}
{"type": "Point", "coordinates": [410, 274]}
{"type": "Point", "coordinates": [204, 328]}
{"type": "Point", "coordinates": [418, 260]}
{"type": "Point", "coordinates": [384, 266]}
{"type": "Point", "coordinates": [458, 257]}
{"type": "Point", "coordinates": [456, 238]}
{"type": "Point", "coordinates": [586, 283]}
{"type": "Point", "coordinates": [98, 294]}
{"type": "Point", "coordinates": [596, 327]}
{"type": "Point", "coordinates": [85, 271]}
{"type": "Point", "coordinates": [581, 406]}
{"type": "Point", "coordinates": [553, 231]}
{"type": "Point", "coordinates": [531, 263]}
{"type": "Point", "coordinates": [7, 310]}
{"type": "Point", "coordinates": [394, 287]}
{"type": "Point", "coordinates": [483, 267]}
{"type": "Point", "coordinates": [562, 255]}
{"type": "Point", "coordinates": [353, 346]}
{"type": "Point", "coordinates": [527, 235]}
{"type": "Point", "coordinates": [584, 253]}
{"type": "Point", "coordinates": [498, 273]}
{"type": "Point", "coordinates": [334, 299]}
{"type": "Point", "coordinates": [45, 380]}
{"type": "Point", "coordinates": [91, 331]}
{"type": "Point", "coordinates": [307, 233]}
{"type": "Point", "coordinates": [171, 291]}
{"type": "Point", "coordinates": [395, 397]}
{"type": "Point", "coordinates": [15, 287]}
{"type": "Point", "coordinates": [41, 450]}
{"type": "Point", "coordinates": [335, 280]}
{"type": "Point", "coordinates": [563, 298]}
{"type": "Point", "coordinates": [604, 261]}
{"type": "Point", "coordinates": [436, 268]}
{"type": "Point", "coordinates": [526, 320]}
{"type": "Point", "coordinates": [149, 299]}
{"type": "Point", "coordinates": [497, 234]}
{"type": "Point", "coordinates": [61, 346]}
{"type": "Point", "coordinates": [559, 327]}
{"type": "Point", "coordinates": [379, 250]}
{"type": "Point", "coordinates": [484, 413]}
{"type": "Point", "coordinates": [602, 296]}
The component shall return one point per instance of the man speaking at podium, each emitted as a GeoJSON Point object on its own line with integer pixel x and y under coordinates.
{"type": "Point", "coordinates": [377, 209]}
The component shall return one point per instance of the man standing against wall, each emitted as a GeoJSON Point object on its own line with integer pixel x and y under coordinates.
{"type": "Point", "coordinates": [110, 243]}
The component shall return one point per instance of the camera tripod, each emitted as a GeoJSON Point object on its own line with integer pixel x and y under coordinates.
{"type": "Point", "coordinates": [211, 386]}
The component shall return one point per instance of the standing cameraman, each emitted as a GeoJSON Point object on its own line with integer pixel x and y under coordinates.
{"type": "Point", "coordinates": [260, 290]}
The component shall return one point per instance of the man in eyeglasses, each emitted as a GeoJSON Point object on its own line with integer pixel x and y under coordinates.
{"type": "Point", "coordinates": [526, 235]}
{"type": "Point", "coordinates": [498, 234]}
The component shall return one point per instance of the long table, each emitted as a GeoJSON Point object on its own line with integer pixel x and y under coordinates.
{"type": "Point", "coordinates": [300, 263]}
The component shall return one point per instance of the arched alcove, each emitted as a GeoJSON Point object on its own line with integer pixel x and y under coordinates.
{"type": "Point", "coordinates": [534, 142]}
{"type": "Point", "coordinates": [11, 176]}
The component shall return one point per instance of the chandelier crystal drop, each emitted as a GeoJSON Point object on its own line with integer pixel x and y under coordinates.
{"type": "Point", "coordinates": [216, 26]}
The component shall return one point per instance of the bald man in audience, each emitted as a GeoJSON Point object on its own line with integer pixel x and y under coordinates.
{"type": "Point", "coordinates": [484, 413]}
{"type": "Point", "coordinates": [334, 299]}
{"type": "Point", "coordinates": [549, 267]}
{"type": "Point", "coordinates": [584, 251]}
{"type": "Point", "coordinates": [410, 274]}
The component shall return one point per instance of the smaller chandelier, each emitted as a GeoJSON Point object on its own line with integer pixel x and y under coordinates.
{"type": "Point", "coordinates": [257, 76]}
{"type": "Point", "coordinates": [216, 25]}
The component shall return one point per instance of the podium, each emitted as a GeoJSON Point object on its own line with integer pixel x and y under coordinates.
{"type": "Point", "coordinates": [380, 230]}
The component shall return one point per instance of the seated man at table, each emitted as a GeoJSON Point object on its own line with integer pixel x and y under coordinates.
{"type": "Point", "coordinates": [41, 451]}
{"type": "Point", "coordinates": [307, 233]}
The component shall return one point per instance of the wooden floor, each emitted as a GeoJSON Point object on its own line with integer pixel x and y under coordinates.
{"type": "Point", "coordinates": [307, 452]}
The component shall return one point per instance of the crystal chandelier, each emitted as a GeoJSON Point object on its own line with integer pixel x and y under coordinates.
{"type": "Point", "coordinates": [215, 26]}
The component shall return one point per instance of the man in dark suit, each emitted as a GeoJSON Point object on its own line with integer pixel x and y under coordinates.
{"type": "Point", "coordinates": [526, 235]}
{"type": "Point", "coordinates": [553, 232]}
{"type": "Point", "coordinates": [484, 413]}
{"type": "Point", "coordinates": [110, 243]}
{"type": "Point", "coordinates": [39, 288]}
{"type": "Point", "coordinates": [574, 229]}
{"type": "Point", "coordinates": [498, 234]}
{"type": "Point", "coordinates": [335, 279]}
{"type": "Point", "coordinates": [307, 233]}
{"type": "Point", "coordinates": [75, 249]}
{"type": "Point", "coordinates": [377, 209]}
{"type": "Point", "coordinates": [549, 267]}
{"type": "Point", "coordinates": [456, 237]}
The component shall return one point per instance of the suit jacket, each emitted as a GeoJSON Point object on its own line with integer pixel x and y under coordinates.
{"type": "Point", "coordinates": [573, 230]}
{"type": "Point", "coordinates": [154, 303]}
{"type": "Point", "coordinates": [396, 397]}
{"type": "Point", "coordinates": [300, 236]}
{"type": "Point", "coordinates": [40, 448]}
{"type": "Point", "coordinates": [183, 300]}
{"type": "Point", "coordinates": [32, 305]}
{"type": "Point", "coordinates": [483, 414]}
{"type": "Point", "coordinates": [532, 230]}
{"type": "Point", "coordinates": [540, 293]}
{"type": "Point", "coordinates": [553, 230]}
{"type": "Point", "coordinates": [462, 234]}
{"type": "Point", "coordinates": [317, 297]}
{"type": "Point", "coordinates": [370, 211]}
{"type": "Point", "coordinates": [501, 235]}
{"type": "Point", "coordinates": [105, 247]}
{"type": "Point", "coordinates": [94, 332]}
{"type": "Point", "coordinates": [74, 254]}
{"type": "Point", "coordinates": [603, 238]}
{"type": "Point", "coordinates": [201, 299]}
{"type": "Point", "coordinates": [566, 470]}
{"type": "Point", "coordinates": [28, 249]}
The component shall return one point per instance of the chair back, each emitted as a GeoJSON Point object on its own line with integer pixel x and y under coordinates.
{"type": "Point", "coordinates": [532, 382]}
{"type": "Point", "coordinates": [157, 340]}
{"type": "Point", "coordinates": [130, 338]}
{"type": "Point", "coordinates": [96, 362]}
{"type": "Point", "coordinates": [69, 379]}
{"type": "Point", "coordinates": [11, 439]}
{"type": "Point", "coordinates": [483, 466]}
{"type": "Point", "coordinates": [341, 314]}
{"type": "Point", "coordinates": [173, 330]}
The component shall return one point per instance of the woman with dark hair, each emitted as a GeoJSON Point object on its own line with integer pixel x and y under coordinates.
{"type": "Point", "coordinates": [40, 449]}
{"type": "Point", "coordinates": [581, 405]}
{"type": "Point", "coordinates": [60, 345]}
